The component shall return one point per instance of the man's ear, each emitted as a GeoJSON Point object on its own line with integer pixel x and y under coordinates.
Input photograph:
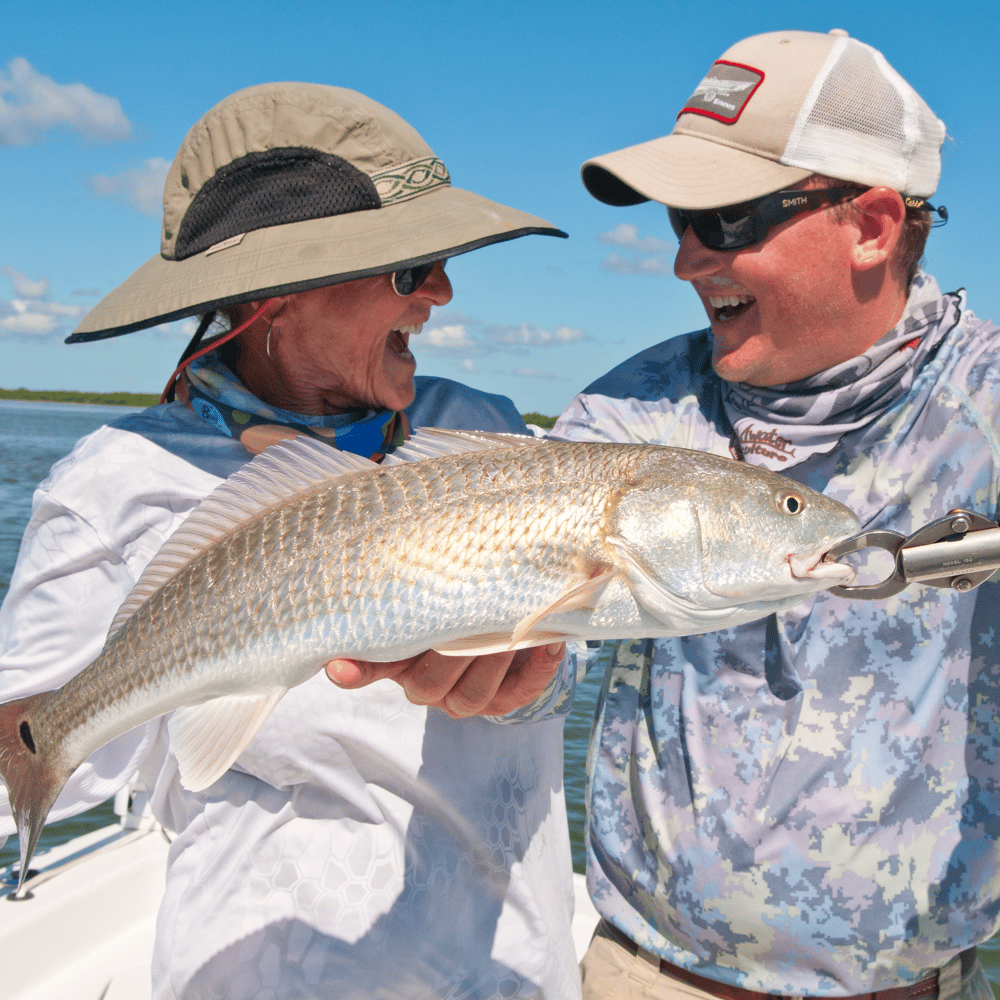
{"type": "Point", "coordinates": [879, 215]}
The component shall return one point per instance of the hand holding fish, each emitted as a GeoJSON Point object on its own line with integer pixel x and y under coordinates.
{"type": "Point", "coordinates": [493, 684]}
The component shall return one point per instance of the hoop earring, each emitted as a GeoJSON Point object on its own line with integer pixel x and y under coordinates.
{"type": "Point", "coordinates": [267, 344]}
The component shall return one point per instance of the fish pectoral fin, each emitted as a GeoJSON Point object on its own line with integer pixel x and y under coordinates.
{"type": "Point", "coordinates": [207, 738]}
{"type": "Point", "coordinates": [495, 642]}
{"type": "Point", "coordinates": [583, 595]}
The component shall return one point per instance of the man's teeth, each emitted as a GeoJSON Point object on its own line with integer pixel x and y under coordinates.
{"type": "Point", "coordinates": [411, 331]}
{"type": "Point", "coordinates": [721, 301]}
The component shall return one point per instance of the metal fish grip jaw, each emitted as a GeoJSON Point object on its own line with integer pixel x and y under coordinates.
{"type": "Point", "coordinates": [958, 552]}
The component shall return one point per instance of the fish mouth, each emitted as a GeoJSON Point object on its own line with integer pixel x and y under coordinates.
{"type": "Point", "coordinates": [810, 566]}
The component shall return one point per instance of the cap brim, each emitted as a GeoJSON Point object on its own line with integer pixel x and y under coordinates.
{"type": "Point", "coordinates": [685, 172]}
{"type": "Point", "coordinates": [289, 258]}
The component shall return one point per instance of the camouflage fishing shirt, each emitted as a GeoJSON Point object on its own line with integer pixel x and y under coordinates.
{"type": "Point", "coordinates": [810, 804]}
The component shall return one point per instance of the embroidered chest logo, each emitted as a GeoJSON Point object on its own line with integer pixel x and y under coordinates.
{"type": "Point", "coordinates": [724, 92]}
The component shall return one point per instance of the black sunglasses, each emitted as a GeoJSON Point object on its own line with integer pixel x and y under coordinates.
{"type": "Point", "coordinates": [733, 227]}
{"type": "Point", "coordinates": [407, 281]}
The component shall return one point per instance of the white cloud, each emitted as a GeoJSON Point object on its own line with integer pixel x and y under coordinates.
{"type": "Point", "coordinates": [179, 328]}
{"type": "Point", "coordinates": [535, 373]}
{"type": "Point", "coordinates": [451, 337]}
{"type": "Point", "coordinates": [647, 254]}
{"type": "Point", "coordinates": [465, 337]}
{"type": "Point", "coordinates": [627, 236]}
{"type": "Point", "coordinates": [24, 286]}
{"type": "Point", "coordinates": [29, 314]}
{"type": "Point", "coordinates": [656, 266]}
{"type": "Point", "coordinates": [140, 187]}
{"type": "Point", "coordinates": [529, 335]}
{"type": "Point", "coordinates": [58, 309]}
{"type": "Point", "coordinates": [32, 103]}
{"type": "Point", "coordinates": [30, 324]}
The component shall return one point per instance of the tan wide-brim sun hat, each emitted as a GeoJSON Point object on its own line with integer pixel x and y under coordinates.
{"type": "Point", "coordinates": [773, 110]}
{"type": "Point", "coordinates": [284, 187]}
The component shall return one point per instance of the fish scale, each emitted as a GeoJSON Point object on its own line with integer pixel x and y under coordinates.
{"type": "Point", "coordinates": [461, 543]}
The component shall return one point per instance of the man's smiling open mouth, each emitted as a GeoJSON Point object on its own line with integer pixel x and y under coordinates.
{"type": "Point", "coordinates": [728, 307]}
{"type": "Point", "coordinates": [398, 340]}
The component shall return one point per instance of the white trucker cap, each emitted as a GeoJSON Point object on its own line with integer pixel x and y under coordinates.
{"type": "Point", "coordinates": [774, 109]}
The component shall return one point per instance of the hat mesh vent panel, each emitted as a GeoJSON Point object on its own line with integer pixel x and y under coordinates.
{"type": "Point", "coordinates": [272, 188]}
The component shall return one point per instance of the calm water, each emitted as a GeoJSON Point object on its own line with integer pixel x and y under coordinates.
{"type": "Point", "coordinates": [35, 435]}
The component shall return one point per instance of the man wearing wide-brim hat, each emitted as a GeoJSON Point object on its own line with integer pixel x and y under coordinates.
{"type": "Point", "coordinates": [804, 806]}
{"type": "Point", "coordinates": [361, 845]}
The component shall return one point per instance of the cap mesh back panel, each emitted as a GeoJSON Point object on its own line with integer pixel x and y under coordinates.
{"type": "Point", "coordinates": [866, 124]}
{"type": "Point", "coordinates": [271, 188]}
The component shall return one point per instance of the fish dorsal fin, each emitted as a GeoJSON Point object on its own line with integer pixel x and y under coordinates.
{"type": "Point", "coordinates": [583, 595]}
{"type": "Point", "coordinates": [433, 442]}
{"type": "Point", "coordinates": [279, 472]}
{"type": "Point", "coordinates": [207, 738]}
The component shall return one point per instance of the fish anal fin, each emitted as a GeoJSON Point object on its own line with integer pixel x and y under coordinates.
{"type": "Point", "coordinates": [207, 738]}
{"type": "Point", "coordinates": [584, 595]}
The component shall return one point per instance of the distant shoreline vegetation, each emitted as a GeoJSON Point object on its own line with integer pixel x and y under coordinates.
{"type": "Point", "coordinates": [149, 399]}
{"type": "Point", "coordinates": [540, 420]}
{"type": "Point", "coordinates": [94, 398]}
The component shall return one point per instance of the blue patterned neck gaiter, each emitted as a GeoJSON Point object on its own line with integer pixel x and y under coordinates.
{"type": "Point", "coordinates": [214, 393]}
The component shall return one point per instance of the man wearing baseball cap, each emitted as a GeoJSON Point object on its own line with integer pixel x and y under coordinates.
{"type": "Point", "coordinates": [806, 805]}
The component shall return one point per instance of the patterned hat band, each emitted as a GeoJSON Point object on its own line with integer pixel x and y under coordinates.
{"type": "Point", "coordinates": [290, 184]}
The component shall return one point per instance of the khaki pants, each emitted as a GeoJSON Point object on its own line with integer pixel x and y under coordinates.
{"type": "Point", "coordinates": [611, 972]}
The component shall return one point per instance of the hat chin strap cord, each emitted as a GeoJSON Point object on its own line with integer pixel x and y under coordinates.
{"type": "Point", "coordinates": [190, 354]}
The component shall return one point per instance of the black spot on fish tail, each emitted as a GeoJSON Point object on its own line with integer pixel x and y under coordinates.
{"type": "Point", "coordinates": [33, 771]}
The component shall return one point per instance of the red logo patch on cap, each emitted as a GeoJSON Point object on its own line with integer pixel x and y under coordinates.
{"type": "Point", "coordinates": [724, 92]}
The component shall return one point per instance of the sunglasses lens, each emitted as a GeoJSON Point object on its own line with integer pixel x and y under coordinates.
{"type": "Point", "coordinates": [731, 227]}
{"type": "Point", "coordinates": [678, 222]}
{"type": "Point", "coordinates": [407, 281]}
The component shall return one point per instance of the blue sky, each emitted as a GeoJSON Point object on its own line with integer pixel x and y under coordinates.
{"type": "Point", "coordinates": [513, 96]}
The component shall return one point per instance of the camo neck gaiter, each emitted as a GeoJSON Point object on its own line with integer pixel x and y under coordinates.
{"type": "Point", "coordinates": [781, 426]}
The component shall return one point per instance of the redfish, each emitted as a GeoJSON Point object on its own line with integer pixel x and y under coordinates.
{"type": "Point", "coordinates": [464, 543]}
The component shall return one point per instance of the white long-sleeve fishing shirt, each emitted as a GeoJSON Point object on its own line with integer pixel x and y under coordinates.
{"type": "Point", "coordinates": [362, 846]}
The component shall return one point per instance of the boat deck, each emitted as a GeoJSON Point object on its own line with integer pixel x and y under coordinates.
{"type": "Point", "coordinates": [93, 904]}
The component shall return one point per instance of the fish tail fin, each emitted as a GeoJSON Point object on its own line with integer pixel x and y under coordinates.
{"type": "Point", "coordinates": [31, 771]}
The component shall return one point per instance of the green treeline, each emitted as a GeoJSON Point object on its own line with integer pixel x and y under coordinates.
{"type": "Point", "coordinates": [101, 398]}
{"type": "Point", "coordinates": [148, 399]}
{"type": "Point", "coordinates": [546, 423]}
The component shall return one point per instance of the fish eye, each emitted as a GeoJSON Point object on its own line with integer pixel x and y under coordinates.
{"type": "Point", "coordinates": [790, 503]}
